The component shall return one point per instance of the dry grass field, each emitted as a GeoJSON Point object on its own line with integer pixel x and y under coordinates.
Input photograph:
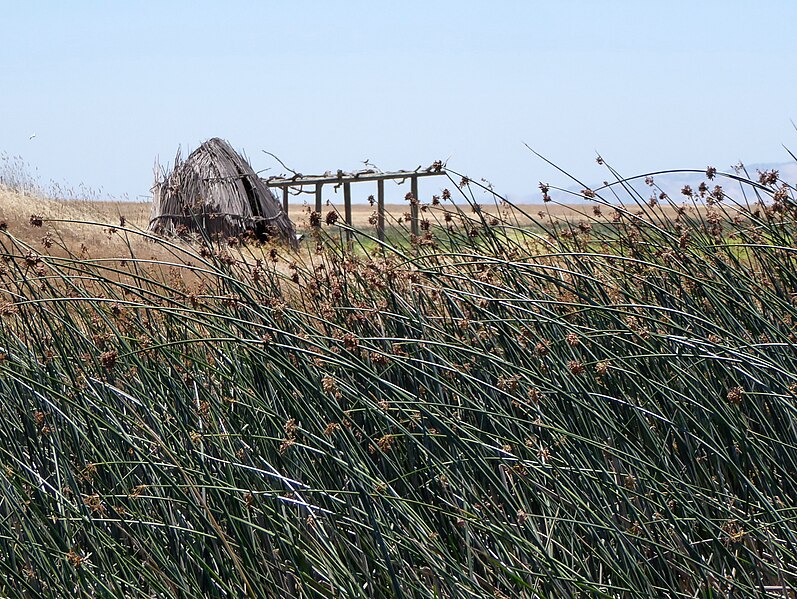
{"type": "Point", "coordinates": [62, 222]}
{"type": "Point", "coordinates": [61, 219]}
{"type": "Point", "coordinates": [90, 228]}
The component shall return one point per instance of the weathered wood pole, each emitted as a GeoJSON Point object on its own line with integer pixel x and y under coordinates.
{"type": "Point", "coordinates": [347, 207]}
{"type": "Point", "coordinates": [318, 187]}
{"type": "Point", "coordinates": [285, 200]}
{"type": "Point", "coordinates": [416, 229]}
{"type": "Point", "coordinates": [380, 209]}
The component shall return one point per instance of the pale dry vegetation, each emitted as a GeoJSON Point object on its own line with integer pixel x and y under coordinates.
{"type": "Point", "coordinates": [73, 223]}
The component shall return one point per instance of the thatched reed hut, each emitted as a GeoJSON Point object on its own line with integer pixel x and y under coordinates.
{"type": "Point", "coordinates": [216, 193]}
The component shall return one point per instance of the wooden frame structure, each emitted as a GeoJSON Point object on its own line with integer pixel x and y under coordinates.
{"type": "Point", "coordinates": [346, 179]}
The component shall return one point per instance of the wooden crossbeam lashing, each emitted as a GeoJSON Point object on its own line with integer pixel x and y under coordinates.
{"type": "Point", "coordinates": [346, 179]}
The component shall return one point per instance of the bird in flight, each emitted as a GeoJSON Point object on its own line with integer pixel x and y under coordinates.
{"type": "Point", "coordinates": [32, 136]}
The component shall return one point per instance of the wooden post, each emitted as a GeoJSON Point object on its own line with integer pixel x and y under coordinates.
{"type": "Point", "coordinates": [414, 208]}
{"type": "Point", "coordinates": [380, 209]}
{"type": "Point", "coordinates": [318, 187]}
{"type": "Point", "coordinates": [347, 207]}
{"type": "Point", "coordinates": [346, 179]}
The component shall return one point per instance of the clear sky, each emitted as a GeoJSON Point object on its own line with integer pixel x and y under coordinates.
{"type": "Point", "coordinates": [108, 86]}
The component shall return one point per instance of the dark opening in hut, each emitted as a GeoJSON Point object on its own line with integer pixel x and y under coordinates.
{"type": "Point", "coordinates": [216, 193]}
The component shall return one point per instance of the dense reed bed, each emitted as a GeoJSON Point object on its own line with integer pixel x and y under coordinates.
{"type": "Point", "coordinates": [598, 406]}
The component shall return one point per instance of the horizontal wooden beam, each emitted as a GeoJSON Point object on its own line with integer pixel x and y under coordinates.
{"type": "Point", "coordinates": [342, 177]}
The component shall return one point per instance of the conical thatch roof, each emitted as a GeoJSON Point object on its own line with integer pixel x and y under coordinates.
{"type": "Point", "coordinates": [216, 192]}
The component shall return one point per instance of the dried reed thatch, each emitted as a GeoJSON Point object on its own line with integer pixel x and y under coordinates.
{"type": "Point", "coordinates": [215, 192]}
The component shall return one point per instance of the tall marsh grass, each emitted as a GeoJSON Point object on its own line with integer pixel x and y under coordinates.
{"type": "Point", "coordinates": [598, 406]}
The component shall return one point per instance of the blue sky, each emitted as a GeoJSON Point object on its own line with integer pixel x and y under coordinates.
{"type": "Point", "coordinates": [108, 86]}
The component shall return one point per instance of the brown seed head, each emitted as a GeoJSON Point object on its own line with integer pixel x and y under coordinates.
{"type": "Point", "coordinates": [331, 429]}
{"type": "Point", "coordinates": [575, 367]}
{"type": "Point", "coordinates": [94, 503]}
{"type": "Point", "coordinates": [768, 177]}
{"type": "Point", "coordinates": [735, 395]}
{"type": "Point", "coordinates": [75, 559]}
{"type": "Point", "coordinates": [108, 359]}
{"type": "Point", "coordinates": [328, 383]}
{"type": "Point", "coordinates": [385, 443]}
{"type": "Point", "coordinates": [602, 367]}
{"type": "Point", "coordinates": [507, 383]}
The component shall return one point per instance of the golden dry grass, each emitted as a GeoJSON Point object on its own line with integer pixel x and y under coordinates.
{"type": "Point", "coordinates": [16, 211]}
{"type": "Point", "coordinates": [64, 220]}
{"type": "Point", "coordinates": [15, 207]}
